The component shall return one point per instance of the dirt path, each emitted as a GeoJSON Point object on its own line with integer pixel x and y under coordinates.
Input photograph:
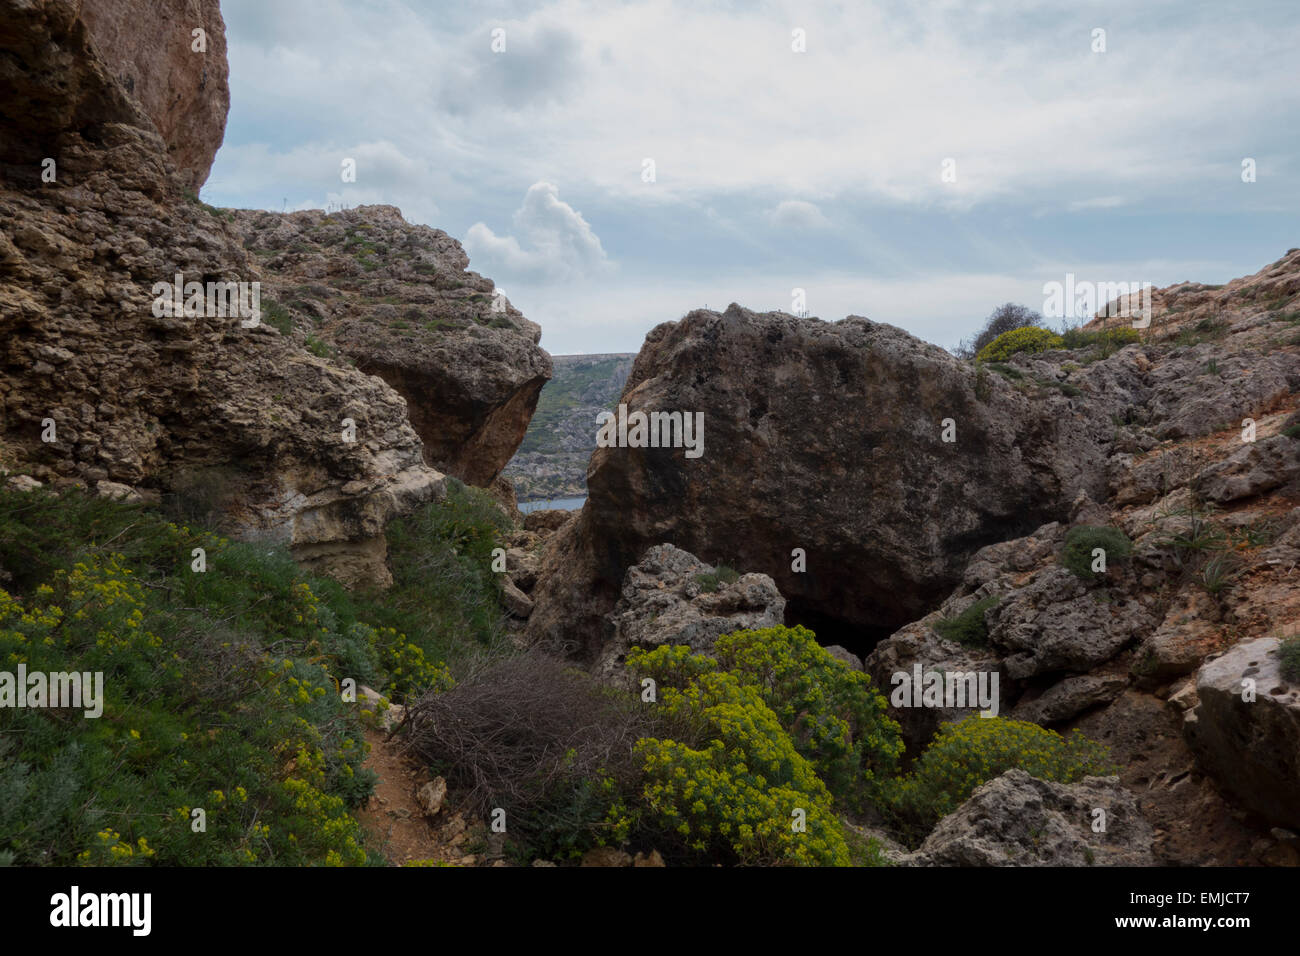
{"type": "Point", "coordinates": [394, 821]}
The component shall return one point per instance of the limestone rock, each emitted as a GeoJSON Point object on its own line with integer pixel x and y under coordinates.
{"type": "Point", "coordinates": [1255, 468]}
{"type": "Point", "coordinates": [845, 656]}
{"type": "Point", "coordinates": [1055, 623]}
{"type": "Point", "coordinates": [1070, 697]}
{"type": "Point", "coordinates": [546, 520]}
{"type": "Point", "coordinates": [665, 602]}
{"type": "Point", "coordinates": [237, 418]}
{"type": "Point", "coordinates": [1251, 748]}
{"type": "Point", "coordinates": [825, 437]}
{"type": "Point", "coordinates": [605, 856]}
{"type": "Point", "coordinates": [396, 300]}
{"type": "Point", "coordinates": [1019, 820]}
{"type": "Point", "coordinates": [918, 643]}
{"type": "Point", "coordinates": [431, 796]}
{"type": "Point", "coordinates": [148, 45]}
{"type": "Point", "coordinates": [517, 602]}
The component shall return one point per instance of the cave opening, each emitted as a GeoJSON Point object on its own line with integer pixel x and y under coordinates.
{"type": "Point", "coordinates": [856, 638]}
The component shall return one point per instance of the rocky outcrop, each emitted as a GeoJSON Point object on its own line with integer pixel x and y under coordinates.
{"type": "Point", "coordinates": [1056, 623]}
{"type": "Point", "coordinates": [1019, 820]}
{"type": "Point", "coordinates": [396, 300]}
{"type": "Point", "coordinates": [1246, 729]}
{"type": "Point", "coordinates": [180, 79]}
{"type": "Point", "coordinates": [672, 597]}
{"type": "Point", "coordinates": [826, 441]}
{"type": "Point", "coordinates": [97, 386]}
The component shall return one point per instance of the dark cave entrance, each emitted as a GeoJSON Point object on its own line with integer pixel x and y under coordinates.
{"type": "Point", "coordinates": [855, 638]}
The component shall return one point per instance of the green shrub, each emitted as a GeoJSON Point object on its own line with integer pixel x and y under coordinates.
{"type": "Point", "coordinates": [965, 755]}
{"type": "Point", "coordinates": [222, 687]}
{"type": "Point", "coordinates": [445, 597]}
{"type": "Point", "coordinates": [837, 719]}
{"type": "Point", "coordinates": [318, 348]}
{"type": "Point", "coordinates": [1111, 340]}
{"type": "Point", "coordinates": [721, 576]}
{"type": "Point", "coordinates": [1080, 542]}
{"type": "Point", "coordinates": [196, 713]}
{"type": "Point", "coordinates": [1027, 339]}
{"type": "Point", "coordinates": [1290, 653]}
{"type": "Point", "coordinates": [734, 790]}
{"type": "Point", "coordinates": [1002, 319]}
{"type": "Point", "coordinates": [277, 317]}
{"type": "Point", "coordinates": [969, 627]}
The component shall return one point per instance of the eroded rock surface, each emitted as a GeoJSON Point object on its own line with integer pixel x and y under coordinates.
{"type": "Point", "coordinates": [1250, 742]}
{"type": "Point", "coordinates": [1018, 820]}
{"type": "Point", "coordinates": [397, 301]}
{"type": "Point", "coordinates": [671, 597]}
{"type": "Point", "coordinates": [829, 438]}
{"type": "Point", "coordinates": [195, 404]}
{"type": "Point", "coordinates": [181, 80]}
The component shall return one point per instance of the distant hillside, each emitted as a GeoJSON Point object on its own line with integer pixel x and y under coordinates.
{"type": "Point", "coordinates": [552, 461]}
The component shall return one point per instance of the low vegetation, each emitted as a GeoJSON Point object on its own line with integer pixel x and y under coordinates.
{"type": "Point", "coordinates": [1081, 544]}
{"type": "Point", "coordinates": [1290, 653]}
{"type": "Point", "coordinates": [1029, 339]}
{"type": "Point", "coordinates": [970, 627]}
{"type": "Point", "coordinates": [224, 736]}
{"type": "Point", "coordinates": [719, 577]}
{"type": "Point", "coordinates": [965, 755]}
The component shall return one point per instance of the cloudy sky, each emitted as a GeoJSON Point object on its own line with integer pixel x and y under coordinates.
{"type": "Point", "coordinates": [615, 165]}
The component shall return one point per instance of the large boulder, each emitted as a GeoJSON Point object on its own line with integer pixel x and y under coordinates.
{"type": "Point", "coordinates": [397, 300]}
{"type": "Point", "coordinates": [671, 597]}
{"type": "Point", "coordinates": [1019, 820]}
{"type": "Point", "coordinates": [1245, 731]}
{"type": "Point", "coordinates": [149, 46]}
{"type": "Point", "coordinates": [826, 439]}
{"type": "Point", "coordinates": [1056, 623]}
{"type": "Point", "coordinates": [237, 417]}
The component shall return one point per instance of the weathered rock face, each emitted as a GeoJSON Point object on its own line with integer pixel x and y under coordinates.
{"type": "Point", "coordinates": [149, 47]}
{"type": "Point", "coordinates": [1019, 820]}
{"type": "Point", "coordinates": [825, 437]}
{"type": "Point", "coordinates": [1250, 746]}
{"type": "Point", "coordinates": [396, 300]}
{"type": "Point", "coordinates": [671, 598]}
{"type": "Point", "coordinates": [191, 403]}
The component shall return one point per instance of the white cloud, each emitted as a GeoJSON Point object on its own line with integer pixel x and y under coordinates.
{"type": "Point", "coordinates": [1100, 202]}
{"type": "Point", "coordinates": [795, 214]}
{"type": "Point", "coordinates": [554, 241]}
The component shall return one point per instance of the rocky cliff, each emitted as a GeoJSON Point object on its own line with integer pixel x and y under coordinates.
{"type": "Point", "coordinates": [103, 385]}
{"type": "Point", "coordinates": [1181, 454]}
{"type": "Point", "coordinates": [171, 58]}
{"type": "Point", "coordinates": [856, 465]}
{"type": "Point", "coordinates": [396, 300]}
